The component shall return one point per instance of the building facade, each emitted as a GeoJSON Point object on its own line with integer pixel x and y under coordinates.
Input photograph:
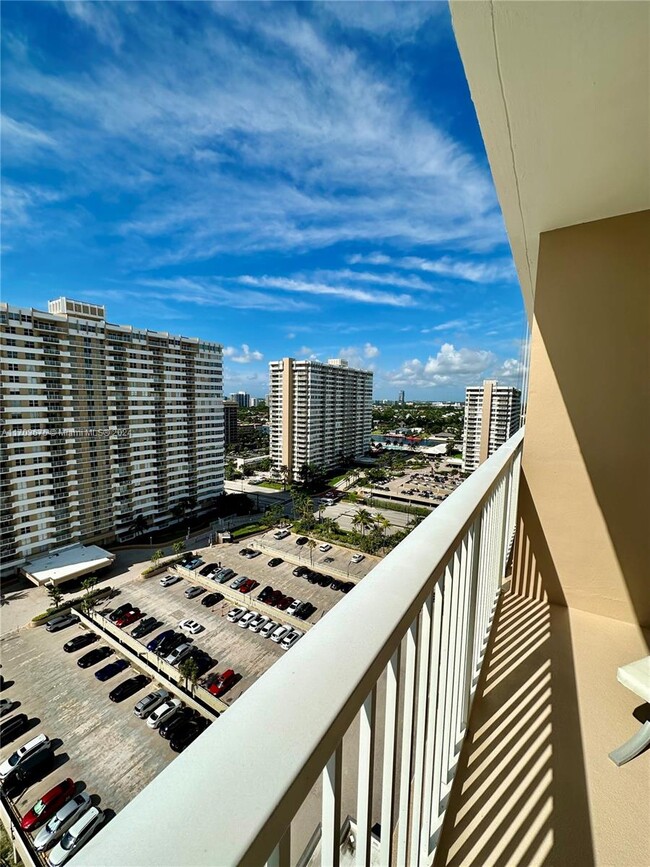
{"type": "Point", "coordinates": [230, 421]}
{"type": "Point", "coordinates": [492, 416]}
{"type": "Point", "coordinates": [107, 428]}
{"type": "Point", "coordinates": [241, 398]}
{"type": "Point", "coordinates": [319, 413]}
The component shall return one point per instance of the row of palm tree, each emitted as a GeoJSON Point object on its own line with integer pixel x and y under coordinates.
{"type": "Point", "coordinates": [365, 521]}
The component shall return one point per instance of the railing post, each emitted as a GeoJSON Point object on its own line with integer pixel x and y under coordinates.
{"type": "Point", "coordinates": [476, 532]}
{"type": "Point", "coordinates": [331, 804]}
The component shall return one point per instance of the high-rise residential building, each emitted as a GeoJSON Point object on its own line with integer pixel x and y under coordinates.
{"type": "Point", "coordinates": [107, 428]}
{"type": "Point", "coordinates": [319, 413]}
{"type": "Point", "coordinates": [230, 408]}
{"type": "Point", "coordinates": [492, 416]}
{"type": "Point", "coordinates": [400, 397]}
{"type": "Point", "coordinates": [241, 398]}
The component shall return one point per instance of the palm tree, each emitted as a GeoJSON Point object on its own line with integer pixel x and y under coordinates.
{"type": "Point", "coordinates": [189, 670]}
{"type": "Point", "coordinates": [284, 473]}
{"type": "Point", "coordinates": [138, 525]}
{"type": "Point", "coordinates": [178, 547]}
{"type": "Point", "coordinates": [156, 556]}
{"type": "Point", "coordinates": [383, 524]}
{"type": "Point", "coordinates": [55, 594]}
{"type": "Point", "coordinates": [311, 545]}
{"type": "Point", "coordinates": [364, 520]}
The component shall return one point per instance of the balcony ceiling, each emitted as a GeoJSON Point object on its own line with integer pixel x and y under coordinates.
{"type": "Point", "coordinates": [562, 94]}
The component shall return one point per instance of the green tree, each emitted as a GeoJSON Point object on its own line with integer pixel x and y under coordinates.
{"type": "Point", "coordinates": [284, 474]}
{"type": "Point", "coordinates": [138, 525]}
{"type": "Point", "coordinates": [183, 506]}
{"type": "Point", "coordinates": [311, 545]}
{"type": "Point", "coordinates": [189, 671]}
{"type": "Point", "coordinates": [178, 547]}
{"type": "Point", "coordinates": [55, 595]}
{"type": "Point", "coordinates": [156, 556]}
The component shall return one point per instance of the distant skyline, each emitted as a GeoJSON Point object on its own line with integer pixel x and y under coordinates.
{"type": "Point", "coordinates": [287, 179]}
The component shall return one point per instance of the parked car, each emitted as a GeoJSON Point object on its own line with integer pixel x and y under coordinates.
{"type": "Point", "coordinates": [212, 599]}
{"type": "Point", "coordinates": [168, 580]}
{"type": "Point", "coordinates": [129, 618]}
{"type": "Point", "coordinates": [285, 602]}
{"type": "Point", "coordinates": [164, 712]}
{"type": "Point", "coordinates": [302, 540]}
{"type": "Point", "coordinates": [111, 669]}
{"type": "Point", "coordinates": [249, 585]}
{"type": "Point", "coordinates": [202, 659]}
{"type": "Point", "coordinates": [306, 610]}
{"type": "Point", "coordinates": [290, 639]}
{"type": "Point", "coordinates": [325, 547]}
{"type": "Point", "coordinates": [237, 583]}
{"type": "Point", "coordinates": [204, 570]}
{"type": "Point", "coordinates": [74, 839]}
{"type": "Point", "coordinates": [260, 621]}
{"type": "Point", "coordinates": [80, 641]}
{"type": "Point", "coordinates": [149, 703]}
{"type": "Point", "coordinates": [236, 614]}
{"type": "Point", "coordinates": [119, 611]}
{"type": "Point", "coordinates": [346, 586]}
{"type": "Point", "coordinates": [169, 644]}
{"type": "Point", "coordinates": [174, 723]}
{"type": "Point", "coordinates": [155, 643]}
{"type": "Point", "coordinates": [299, 571]}
{"type": "Point", "coordinates": [94, 656]}
{"type": "Point", "coordinates": [225, 575]}
{"type": "Point", "coordinates": [335, 585]}
{"type": "Point", "coordinates": [268, 628]}
{"type": "Point", "coordinates": [281, 534]}
{"type": "Point", "coordinates": [47, 805]}
{"type": "Point", "coordinates": [223, 682]}
{"type": "Point", "coordinates": [279, 632]}
{"type": "Point", "coordinates": [324, 581]}
{"type": "Point", "coordinates": [275, 597]}
{"type": "Point", "coordinates": [328, 559]}
{"type": "Point", "coordinates": [12, 727]}
{"type": "Point", "coordinates": [247, 619]}
{"type": "Point", "coordinates": [128, 687]}
{"type": "Point", "coordinates": [313, 577]}
{"type": "Point", "coordinates": [6, 706]}
{"type": "Point", "coordinates": [178, 654]}
{"type": "Point", "coordinates": [253, 554]}
{"type": "Point", "coordinates": [357, 558]}
{"type": "Point", "coordinates": [275, 561]}
{"type": "Point", "coordinates": [192, 627]}
{"type": "Point", "coordinates": [265, 594]}
{"type": "Point", "coordinates": [144, 627]}
{"type": "Point", "coordinates": [190, 732]}
{"type": "Point", "coordinates": [63, 819]}
{"type": "Point", "coordinates": [245, 552]}
{"type": "Point", "coordinates": [61, 622]}
{"type": "Point", "coordinates": [12, 763]}
{"type": "Point", "coordinates": [193, 592]}
{"type": "Point", "coordinates": [295, 605]}
{"type": "Point", "coordinates": [33, 767]}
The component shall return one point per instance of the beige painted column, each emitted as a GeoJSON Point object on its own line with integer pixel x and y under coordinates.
{"type": "Point", "coordinates": [584, 520]}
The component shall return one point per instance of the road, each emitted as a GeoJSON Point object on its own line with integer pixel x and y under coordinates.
{"type": "Point", "coordinates": [343, 513]}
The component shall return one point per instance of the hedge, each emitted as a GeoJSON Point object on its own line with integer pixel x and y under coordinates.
{"type": "Point", "coordinates": [162, 564]}
{"type": "Point", "coordinates": [246, 530]}
{"type": "Point", "coordinates": [97, 593]}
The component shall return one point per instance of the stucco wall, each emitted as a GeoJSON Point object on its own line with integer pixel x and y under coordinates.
{"type": "Point", "coordinates": [584, 521]}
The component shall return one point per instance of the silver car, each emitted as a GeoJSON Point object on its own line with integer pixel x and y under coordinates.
{"type": "Point", "coordinates": [61, 821]}
{"type": "Point", "coordinates": [150, 702]}
{"type": "Point", "coordinates": [178, 654]}
{"type": "Point", "coordinates": [82, 830]}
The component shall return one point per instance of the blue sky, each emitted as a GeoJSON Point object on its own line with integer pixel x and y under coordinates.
{"type": "Point", "coordinates": [287, 179]}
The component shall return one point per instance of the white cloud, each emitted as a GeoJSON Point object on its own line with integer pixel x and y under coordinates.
{"type": "Point", "coordinates": [370, 351]}
{"type": "Point", "coordinates": [486, 271]}
{"type": "Point", "coordinates": [345, 292]}
{"type": "Point", "coordinates": [450, 367]}
{"type": "Point", "coordinates": [242, 356]}
{"type": "Point", "coordinates": [98, 17]}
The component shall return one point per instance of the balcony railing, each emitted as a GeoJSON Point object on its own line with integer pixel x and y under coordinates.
{"type": "Point", "coordinates": [402, 654]}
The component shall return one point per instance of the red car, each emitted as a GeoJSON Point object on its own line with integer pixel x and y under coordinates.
{"type": "Point", "coordinates": [128, 618]}
{"type": "Point", "coordinates": [223, 682]}
{"type": "Point", "coordinates": [47, 805]}
{"type": "Point", "coordinates": [275, 597]}
{"type": "Point", "coordinates": [285, 602]}
{"type": "Point", "coordinates": [249, 585]}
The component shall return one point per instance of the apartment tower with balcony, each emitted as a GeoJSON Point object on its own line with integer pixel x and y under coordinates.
{"type": "Point", "coordinates": [230, 408]}
{"type": "Point", "coordinates": [319, 413]}
{"type": "Point", "coordinates": [492, 416]}
{"type": "Point", "coordinates": [107, 428]}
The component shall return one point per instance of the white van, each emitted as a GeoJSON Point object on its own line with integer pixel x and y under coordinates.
{"type": "Point", "coordinates": [80, 833]}
{"type": "Point", "coordinates": [28, 749]}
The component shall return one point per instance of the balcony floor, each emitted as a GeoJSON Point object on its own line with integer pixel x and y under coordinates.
{"type": "Point", "coordinates": [535, 785]}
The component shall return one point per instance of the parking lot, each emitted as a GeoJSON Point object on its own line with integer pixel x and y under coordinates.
{"type": "Point", "coordinates": [100, 744]}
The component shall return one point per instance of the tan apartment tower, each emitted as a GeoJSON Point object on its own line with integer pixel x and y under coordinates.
{"type": "Point", "coordinates": [492, 416]}
{"type": "Point", "coordinates": [319, 413]}
{"type": "Point", "coordinates": [109, 430]}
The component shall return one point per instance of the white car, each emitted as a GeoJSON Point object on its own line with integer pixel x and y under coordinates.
{"type": "Point", "coordinates": [295, 605]}
{"type": "Point", "coordinates": [178, 654]}
{"type": "Point", "coordinates": [190, 626]}
{"type": "Point", "coordinates": [279, 632]}
{"type": "Point", "coordinates": [61, 821]}
{"type": "Point", "coordinates": [268, 628]}
{"type": "Point", "coordinates": [168, 580]}
{"type": "Point", "coordinates": [28, 749]}
{"type": "Point", "coordinates": [79, 833]}
{"type": "Point", "coordinates": [281, 534]}
{"type": "Point", "coordinates": [247, 619]}
{"type": "Point", "coordinates": [236, 614]}
{"type": "Point", "coordinates": [290, 639]}
{"type": "Point", "coordinates": [163, 712]}
{"type": "Point", "coordinates": [260, 621]}
{"type": "Point", "coordinates": [325, 547]}
{"type": "Point", "coordinates": [357, 558]}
